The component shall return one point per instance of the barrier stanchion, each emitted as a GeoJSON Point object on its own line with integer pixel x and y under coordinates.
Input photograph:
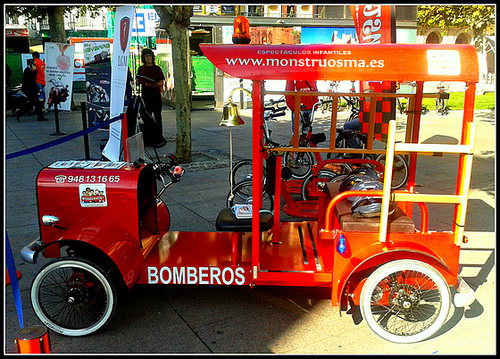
{"type": "Point", "coordinates": [56, 114]}
{"type": "Point", "coordinates": [83, 105]}
{"type": "Point", "coordinates": [33, 340]}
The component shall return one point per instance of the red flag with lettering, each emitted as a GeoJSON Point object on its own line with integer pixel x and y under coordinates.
{"type": "Point", "coordinates": [376, 24]}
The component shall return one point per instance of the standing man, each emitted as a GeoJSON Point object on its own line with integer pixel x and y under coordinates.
{"type": "Point", "coordinates": [151, 77]}
{"type": "Point", "coordinates": [30, 88]}
{"type": "Point", "coordinates": [40, 76]}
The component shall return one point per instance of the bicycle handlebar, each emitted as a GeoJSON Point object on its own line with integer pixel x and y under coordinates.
{"type": "Point", "coordinates": [162, 169]}
{"type": "Point", "coordinates": [272, 115]}
{"type": "Point", "coordinates": [271, 105]}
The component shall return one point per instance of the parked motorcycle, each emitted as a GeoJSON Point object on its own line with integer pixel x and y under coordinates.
{"type": "Point", "coordinates": [58, 93]}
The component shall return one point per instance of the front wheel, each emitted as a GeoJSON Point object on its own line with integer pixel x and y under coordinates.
{"type": "Point", "coordinates": [405, 301]}
{"type": "Point", "coordinates": [73, 296]}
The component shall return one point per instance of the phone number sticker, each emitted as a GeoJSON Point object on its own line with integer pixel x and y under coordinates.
{"type": "Point", "coordinates": [87, 179]}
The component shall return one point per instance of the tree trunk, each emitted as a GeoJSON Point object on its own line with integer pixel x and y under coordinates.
{"type": "Point", "coordinates": [56, 24]}
{"type": "Point", "coordinates": [175, 20]}
{"type": "Point", "coordinates": [182, 88]}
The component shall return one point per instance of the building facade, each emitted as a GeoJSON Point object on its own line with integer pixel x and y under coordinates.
{"type": "Point", "coordinates": [270, 24]}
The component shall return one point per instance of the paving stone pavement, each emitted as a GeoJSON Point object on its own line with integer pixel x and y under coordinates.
{"type": "Point", "coordinates": [204, 319]}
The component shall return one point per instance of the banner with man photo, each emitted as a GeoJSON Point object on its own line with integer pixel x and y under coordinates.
{"type": "Point", "coordinates": [98, 80]}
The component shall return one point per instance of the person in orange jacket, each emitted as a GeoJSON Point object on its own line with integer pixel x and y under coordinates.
{"type": "Point", "coordinates": [40, 76]}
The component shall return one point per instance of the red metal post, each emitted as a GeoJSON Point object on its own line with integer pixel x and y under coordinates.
{"type": "Point", "coordinates": [277, 200]}
{"type": "Point", "coordinates": [33, 340]}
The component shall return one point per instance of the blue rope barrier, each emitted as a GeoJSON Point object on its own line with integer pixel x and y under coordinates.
{"type": "Point", "coordinates": [62, 139]}
{"type": "Point", "coordinates": [11, 269]}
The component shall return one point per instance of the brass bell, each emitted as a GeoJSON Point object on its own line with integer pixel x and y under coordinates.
{"type": "Point", "coordinates": [230, 115]}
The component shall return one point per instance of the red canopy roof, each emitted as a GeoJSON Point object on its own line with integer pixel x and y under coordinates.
{"type": "Point", "coordinates": [381, 62]}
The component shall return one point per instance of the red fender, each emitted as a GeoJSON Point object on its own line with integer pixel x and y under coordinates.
{"type": "Point", "coordinates": [361, 259]}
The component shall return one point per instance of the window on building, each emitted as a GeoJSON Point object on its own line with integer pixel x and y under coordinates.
{"type": "Point", "coordinates": [462, 39]}
{"type": "Point", "coordinates": [433, 38]}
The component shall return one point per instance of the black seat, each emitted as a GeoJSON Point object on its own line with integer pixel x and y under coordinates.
{"type": "Point", "coordinates": [227, 222]}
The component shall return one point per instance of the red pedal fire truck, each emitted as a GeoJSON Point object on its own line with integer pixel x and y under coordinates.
{"type": "Point", "coordinates": [105, 225]}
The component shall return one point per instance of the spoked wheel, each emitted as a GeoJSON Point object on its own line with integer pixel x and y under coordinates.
{"type": "Point", "coordinates": [300, 163]}
{"type": "Point", "coordinates": [405, 301]}
{"type": "Point", "coordinates": [326, 174]}
{"type": "Point", "coordinates": [242, 194]}
{"type": "Point", "coordinates": [399, 170]}
{"type": "Point", "coordinates": [242, 170]}
{"type": "Point", "coordinates": [73, 296]}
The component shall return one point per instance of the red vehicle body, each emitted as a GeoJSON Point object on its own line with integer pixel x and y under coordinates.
{"type": "Point", "coordinates": [112, 216]}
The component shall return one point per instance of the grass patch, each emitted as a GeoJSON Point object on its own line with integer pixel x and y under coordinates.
{"type": "Point", "coordinates": [456, 101]}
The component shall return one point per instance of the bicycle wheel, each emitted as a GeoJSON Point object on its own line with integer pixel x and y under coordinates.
{"type": "Point", "coordinates": [73, 296]}
{"type": "Point", "coordinates": [445, 108]}
{"type": "Point", "coordinates": [242, 170]}
{"type": "Point", "coordinates": [299, 163]}
{"type": "Point", "coordinates": [242, 194]}
{"type": "Point", "coordinates": [441, 107]}
{"type": "Point", "coordinates": [399, 170]}
{"type": "Point", "coordinates": [328, 173]}
{"type": "Point", "coordinates": [324, 175]}
{"type": "Point", "coordinates": [405, 301]}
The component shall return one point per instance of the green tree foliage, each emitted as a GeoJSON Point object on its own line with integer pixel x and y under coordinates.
{"type": "Point", "coordinates": [55, 15]}
{"type": "Point", "coordinates": [474, 17]}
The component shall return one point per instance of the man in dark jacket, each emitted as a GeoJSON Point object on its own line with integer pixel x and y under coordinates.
{"type": "Point", "coordinates": [30, 89]}
{"type": "Point", "coordinates": [151, 77]}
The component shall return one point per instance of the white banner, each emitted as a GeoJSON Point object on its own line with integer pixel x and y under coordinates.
{"type": "Point", "coordinates": [59, 70]}
{"type": "Point", "coordinates": [121, 50]}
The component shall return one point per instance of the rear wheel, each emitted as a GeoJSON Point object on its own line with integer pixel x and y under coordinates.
{"type": "Point", "coordinates": [73, 296]}
{"type": "Point", "coordinates": [405, 301]}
